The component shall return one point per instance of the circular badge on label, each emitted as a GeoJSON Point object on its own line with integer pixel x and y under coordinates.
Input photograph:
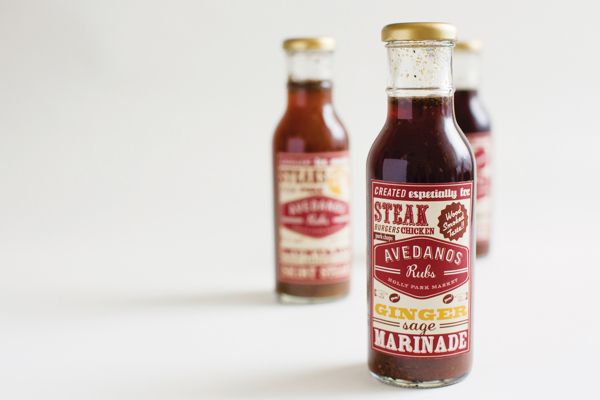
{"type": "Point", "coordinates": [453, 221]}
{"type": "Point", "coordinates": [448, 298]}
{"type": "Point", "coordinates": [394, 297]}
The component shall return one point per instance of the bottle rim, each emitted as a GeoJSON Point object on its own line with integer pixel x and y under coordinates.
{"type": "Point", "coordinates": [317, 43]}
{"type": "Point", "coordinates": [418, 31]}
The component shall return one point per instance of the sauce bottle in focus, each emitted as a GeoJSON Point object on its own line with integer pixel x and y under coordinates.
{"type": "Point", "coordinates": [311, 181]}
{"type": "Point", "coordinates": [420, 185]}
{"type": "Point", "coordinates": [474, 121]}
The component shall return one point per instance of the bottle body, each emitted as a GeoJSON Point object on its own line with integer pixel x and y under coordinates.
{"type": "Point", "coordinates": [420, 185]}
{"type": "Point", "coordinates": [422, 155]}
{"type": "Point", "coordinates": [474, 121]}
{"type": "Point", "coordinates": [312, 197]}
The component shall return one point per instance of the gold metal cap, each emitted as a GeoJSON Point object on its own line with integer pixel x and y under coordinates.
{"type": "Point", "coordinates": [321, 43]}
{"type": "Point", "coordinates": [418, 31]}
{"type": "Point", "coordinates": [472, 46]}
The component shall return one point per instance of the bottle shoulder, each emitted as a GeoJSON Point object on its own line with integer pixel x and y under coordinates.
{"type": "Point", "coordinates": [310, 132]}
{"type": "Point", "coordinates": [471, 114]}
{"type": "Point", "coordinates": [405, 153]}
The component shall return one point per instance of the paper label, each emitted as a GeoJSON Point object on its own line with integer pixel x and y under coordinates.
{"type": "Point", "coordinates": [313, 217]}
{"type": "Point", "coordinates": [481, 143]}
{"type": "Point", "coordinates": [421, 268]}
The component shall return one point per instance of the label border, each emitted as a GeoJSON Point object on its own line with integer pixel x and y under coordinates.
{"type": "Point", "coordinates": [295, 155]}
{"type": "Point", "coordinates": [372, 266]}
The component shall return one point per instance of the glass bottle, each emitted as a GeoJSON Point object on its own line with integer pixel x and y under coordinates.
{"type": "Point", "coordinates": [311, 181]}
{"type": "Point", "coordinates": [420, 177]}
{"type": "Point", "coordinates": [474, 121]}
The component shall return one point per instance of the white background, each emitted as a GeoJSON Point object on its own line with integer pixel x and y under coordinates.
{"type": "Point", "coordinates": [135, 199]}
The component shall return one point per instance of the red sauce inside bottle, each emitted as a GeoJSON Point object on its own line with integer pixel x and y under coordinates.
{"type": "Point", "coordinates": [309, 125]}
{"type": "Point", "coordinates": [419, 143]}
{"type": "Point", "coordinates": [473, 119]}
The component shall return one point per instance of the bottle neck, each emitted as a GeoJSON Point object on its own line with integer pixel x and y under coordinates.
{"type": "Point", "coordinates": [464, 99]}
{"type": "Point", "coordinates": [465, 95]}
{"type": "Point", "coordinates": [467, 70]}
{"type": "Point", "coordinates": [309, 79]}
{"type": "Point", "coordinates": [309, 65]}
{"type": "Point", "coordinates": [423, 111]}
{"type": "Point", "coordinates": [309, 94]}
{"type": "Point", "coordinates": [420, 68]}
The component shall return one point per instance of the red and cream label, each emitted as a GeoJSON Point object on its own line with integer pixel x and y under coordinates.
{"type": "Point", "coordinates": [481, 143]}
{"type": "Point", "coordinates": [313, 217]}
{"type": "Point", "coordinates": [421, 268]}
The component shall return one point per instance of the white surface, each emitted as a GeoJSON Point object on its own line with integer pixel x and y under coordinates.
{"type": "Point", "coordinates": [136, 244]}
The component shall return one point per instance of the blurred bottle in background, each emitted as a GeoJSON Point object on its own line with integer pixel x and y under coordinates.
{"type": "Point", "coordinates": [474, 121]}
{"type": "Point", "coordinates": [311, 181]}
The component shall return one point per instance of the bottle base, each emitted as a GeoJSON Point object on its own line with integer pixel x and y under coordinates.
{"type": "Point", "coordinates": [285, 298]}
{"type": "Point", "coordinates": [418, 384]}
